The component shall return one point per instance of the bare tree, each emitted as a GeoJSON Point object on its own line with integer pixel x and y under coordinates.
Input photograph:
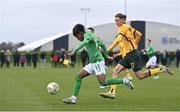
{"type": "Point", "coordinates": [10, 45]}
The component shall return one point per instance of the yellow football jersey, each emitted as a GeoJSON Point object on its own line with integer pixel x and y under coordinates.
{"type": "Point", "coordinates": [127, 39]}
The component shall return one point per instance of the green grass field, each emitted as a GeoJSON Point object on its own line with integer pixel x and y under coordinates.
{"type": "Point", "coordinates": [25, 89]}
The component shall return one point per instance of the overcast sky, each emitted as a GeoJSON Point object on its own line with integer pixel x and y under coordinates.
{"type": "Point", "coordinates": [29, 20]}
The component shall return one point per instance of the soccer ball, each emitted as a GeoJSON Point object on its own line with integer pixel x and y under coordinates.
{"type": "Point", "coordinates": [52, 88]}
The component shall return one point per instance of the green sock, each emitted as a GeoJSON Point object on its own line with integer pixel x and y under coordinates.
{"type": "Point", "coordinates": [77, 85]}
{"type": "Point", "coordinates": [112, 81]}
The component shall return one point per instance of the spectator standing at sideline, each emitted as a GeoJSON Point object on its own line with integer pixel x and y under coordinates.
{"type": "Point", "coordinates": [164, 58]}
{"type": "Point", "coordinates": [28, 58]}
{"type": "Point", "coordinates": [34, 59]}
{"type": "Point", "coordinates": [51, 58]}
{"type": "Point", "coordinates": [2, 58]}
{"type": "Point", "coordinates": [55, 59]}
{"type": "Point", "coordinates": [62, 57]}
{"type": "Point", "coordinates": [43, 59]}
{"type": "Point", "coordinates": [171, 58]}
{"type": "Point", "coordinates": [16, 57]}
{"type": "Point", "coordinates": [73, 60]}
{"type": "Point", "coordinates": [84, 57]}
{"type": "Point", "coordinates": [177, 57]}
{"type": "Point", "coordinates": [22, 60]}
{"type": "Point", "coordinates": [8, 58]}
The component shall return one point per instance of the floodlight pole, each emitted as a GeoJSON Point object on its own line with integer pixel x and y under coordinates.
{"type": "Point", "coordinates": [125, 7]}
{"type": "Point", "coordinates": [85, 10]}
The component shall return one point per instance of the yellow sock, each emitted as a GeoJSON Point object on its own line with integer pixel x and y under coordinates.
{"type": "Point", "coordinates": [128, 75]}
{"type": "Point", "coordinates": [155, 71]}
{"type": "Point", "coordinates": [113, 89]}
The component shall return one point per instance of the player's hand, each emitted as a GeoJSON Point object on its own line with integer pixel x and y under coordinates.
{"type": "Point", "coordinates": [144, 53]}
{"type": "Point", "coordinates": [71, 53]}
{"type": "Point", "coordinates": [110, 58]}
{"type": "Point", "coordinates": [115, 55]}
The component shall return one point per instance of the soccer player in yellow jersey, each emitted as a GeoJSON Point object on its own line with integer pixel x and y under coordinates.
{"type": "Point", "coordinates": [137, 35]}
{"type": "Point", "coordinates": [127, 39]}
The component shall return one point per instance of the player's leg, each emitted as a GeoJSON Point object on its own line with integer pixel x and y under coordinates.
{"type": "Point", "coordinates": [123, 65]}
{"type": "Point", "coordinates": [128, 74]}
{"type": "Point", "coordinates": [152, 63]}
{"type": "Point", "coordinates": [76, 88]}
{"type": "Point", "coordinates": [125, 80]}
{"type": "Point", "coordinates": [99, 69]}
{"type": "Point", "coordinates": [149, 65]}
{"type": "Point", "coordinates": [78, 78]}
{"type": "Point", "coordinates": [115, 73]}
{"type": "Point", "coordinates": [110, 81]}
{"type": "Point", "coordinates": [150, 72]}
{"type": "Point", "coordinates": [88, 69]}
{"type": "Point", "coordinates": [135, 60]}
{"type": "Point", "coordinates": [104, 82]}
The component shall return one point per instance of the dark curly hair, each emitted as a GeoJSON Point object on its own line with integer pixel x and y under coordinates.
{"type": "Point", "coordinates": [78, 28]}
{"type": "Point", "coordinates": [120, 15]}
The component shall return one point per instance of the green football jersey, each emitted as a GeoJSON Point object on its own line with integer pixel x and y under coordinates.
{"type": "Point", "coordinates": [92, 44]}
{"type": "Point", "coordinates": [150, 51]}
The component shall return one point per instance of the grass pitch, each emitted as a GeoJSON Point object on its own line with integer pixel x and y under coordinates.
{"type": "Point", "coordinates": [25, 89]}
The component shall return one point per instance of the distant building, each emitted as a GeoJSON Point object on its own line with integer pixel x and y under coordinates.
{"type": "Point", "coordinates": [161, 34]}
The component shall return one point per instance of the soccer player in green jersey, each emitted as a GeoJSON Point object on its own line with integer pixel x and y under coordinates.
{"type": "Point", "coordinates": [96, 65]}
{"type": "Point", "coordinates": [152, 62]}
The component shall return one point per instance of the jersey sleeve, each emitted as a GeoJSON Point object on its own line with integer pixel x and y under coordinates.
{"type": "Point", "coordinates": [115, 43]}
{"type": "Point", "coordinates": [119, 54]}
{"type": "Point", "coordinates": [137, 36]}
{"type": "Point", "coordinates": [87, 38]}
{"type": "Point", "coordinates": [103, 47]}
{"type": "Point", "coordinates": [124, 30]}
{"type": "Point", "coordinates": [150, 50]}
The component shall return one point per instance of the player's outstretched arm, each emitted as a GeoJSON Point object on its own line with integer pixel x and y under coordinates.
{"type": "Point", "coordinates": [82, 44]}
{"type": "Point", "coordinates": [115, 43]}
{"type": "Point", "coordinates": [103, 47]}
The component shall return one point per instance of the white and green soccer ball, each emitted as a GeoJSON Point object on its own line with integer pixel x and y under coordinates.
{"type": "Point", "coordinates": [53, 88]}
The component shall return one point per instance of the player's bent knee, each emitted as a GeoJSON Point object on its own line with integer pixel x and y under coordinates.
{"type": "Point", "coordinates": [103, 83]}
{"type": "Point", "coordinates": [77, 77]}
{"type": "Point", "coordinates": [139, 76]}
{"type": "Point", "coordinates": [115, 71]}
